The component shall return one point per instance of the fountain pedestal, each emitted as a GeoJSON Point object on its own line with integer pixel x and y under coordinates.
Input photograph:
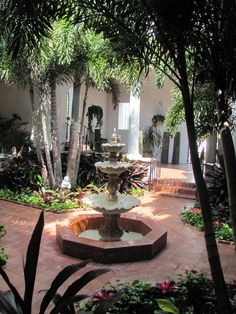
{"type": "Point", "coordinates": [110, 230]}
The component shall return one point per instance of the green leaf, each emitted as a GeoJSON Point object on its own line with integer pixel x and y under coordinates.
{"type": "Point", "coordinates": [58, 281]}
{"type": "Point", "coordinates": [167, 306]}
{"type": "Point", "coordinates": [32, 261]}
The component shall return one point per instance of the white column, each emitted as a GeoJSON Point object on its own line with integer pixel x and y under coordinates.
{"type": "Point", "coordinates": [133, 144]}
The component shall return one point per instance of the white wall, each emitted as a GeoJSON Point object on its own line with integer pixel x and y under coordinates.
{"type": "Point", "coordinates": [153, 100]}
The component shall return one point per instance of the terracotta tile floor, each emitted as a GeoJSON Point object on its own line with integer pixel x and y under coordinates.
{"type": "Point", "coordinates": [185, 248]}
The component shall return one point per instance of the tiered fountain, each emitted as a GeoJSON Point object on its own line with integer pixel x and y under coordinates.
{"type": "Point", "coordinates": [110, 238]}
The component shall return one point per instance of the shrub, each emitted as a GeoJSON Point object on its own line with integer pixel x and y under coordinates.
{"type": "Point", "coordinates": [21, 173]}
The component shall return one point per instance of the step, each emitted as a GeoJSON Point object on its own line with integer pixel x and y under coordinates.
{"type": "Point", "coordinates": [177, 195]}
{"type": "Point", "coordinates": [174, 182]}
{"type": "Point", "coordinates": [174, 189]}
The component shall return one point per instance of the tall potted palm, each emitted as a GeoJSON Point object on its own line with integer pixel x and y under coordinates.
{"type": "Point", "coordinates": [152, 140]}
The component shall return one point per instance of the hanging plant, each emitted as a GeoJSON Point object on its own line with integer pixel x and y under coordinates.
{"type": "Point", "coordinates": [95, 112]}
{"type": "Point", "coordinates": [158, 118]}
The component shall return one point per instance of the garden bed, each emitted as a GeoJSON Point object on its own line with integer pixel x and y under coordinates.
{"type": "Point", "coordinates": [191, 292]}
{"type": "Point", "coordinates": [221, 225]}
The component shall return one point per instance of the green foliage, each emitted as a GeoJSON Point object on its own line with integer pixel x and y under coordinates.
{"type": "Point", "coordinates": [88, 173]}
{"type": "Point", "coordinates": [193, 216]}
{"type": "Point", "coordinates": [151, 138]}
{"type": "Point", "coordinates": [134, 177]}
{"type": "Point", "coordinates": [20, 173]}
{"type": "Point", "coordinates": [197, 292]}
{"type": "Point", "coordinates": [167, 306]}
{"type": "Point", "coordinates": [216, 184]}
{"type": "Point", "coordinates": [205, 117]}
{"type": "Point", "coordinates": [192, 292]}
{"type": "Point", "coordinates": [3, 256]}
{"type": "Point", "coordinates": [13, 134]}
{"type": "Point", "coordinates": [223, 232]}
{"type": "Point", "coordinates": [50, 200]}
{"type": "Point", "coordinates": [135, 191]}
{"type": "Point", "coordinates": [2, 230]}
{"type": "Point", "coordinates": [175, 114]}
{"type": "Point", "coordinates": [63, 304]}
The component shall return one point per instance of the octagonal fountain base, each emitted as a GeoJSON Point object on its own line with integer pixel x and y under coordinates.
{"type": "Point", "coordinates": [152, 241]}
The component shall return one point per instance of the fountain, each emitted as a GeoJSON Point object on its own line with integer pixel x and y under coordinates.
{"type": "Point", "coordinates": [111, 238]}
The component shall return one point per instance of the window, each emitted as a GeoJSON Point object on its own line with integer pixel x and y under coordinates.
{"type": "Point", "coordinates": [123, 116]}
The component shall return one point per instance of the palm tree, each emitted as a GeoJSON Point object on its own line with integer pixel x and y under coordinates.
{"type": "Point", "coordinates": [19, 71]}
{"type": "Point", "coordinates": [161, 33]}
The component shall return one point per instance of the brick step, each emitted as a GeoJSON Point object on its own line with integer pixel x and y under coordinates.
{"type": "Point", "coordinates": [174, 183]}
{"type": "Point", "coordinates": [174, 189]}
{"type": "Point", "coordinates": [187, 196]}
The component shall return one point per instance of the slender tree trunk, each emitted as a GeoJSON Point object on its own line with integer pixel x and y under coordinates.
{"type": "Point", "coordinates": [84, 105]}
{"type": "Point", "coordinates": [224, 306]}
{"type": "Point", "coordinates": [74, 151]}
{"type": "Point", "coordinates": [43, 168]}
{"type": "Point", "coordinates": [56, 151]}
{"type": "Point", "coordinates": [43, 104]}
{"type": "Point", "coordinates": [229, 161]}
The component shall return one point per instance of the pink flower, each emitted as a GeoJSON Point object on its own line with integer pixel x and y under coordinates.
{"type": "Point", "coordinates": [196, 211]}
{"type": "Point", "coordinates": [101, 296]}
{"type": "Point", "coordinates": [166, 286]}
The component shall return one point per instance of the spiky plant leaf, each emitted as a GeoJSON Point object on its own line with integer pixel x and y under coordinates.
{"type": "Point", "coordinates": [16, 294]}
{"type": "Point", "coordinates": [32, 261]}
{"type": "Point", "coordinates": [79, 284]}
{"type": "Point", "coordinates": [8, 303]}
{"type": "Point", "coordinates": [58, 281]}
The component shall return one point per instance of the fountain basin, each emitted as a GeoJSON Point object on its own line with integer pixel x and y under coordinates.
{"type": "Point", "coordinates": [153, 240]}
{"type": "Point", "coordinates": [112, 168]}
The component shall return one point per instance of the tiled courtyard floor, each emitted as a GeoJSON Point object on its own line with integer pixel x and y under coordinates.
{"type": "Point", "coordinates": [185, 248]}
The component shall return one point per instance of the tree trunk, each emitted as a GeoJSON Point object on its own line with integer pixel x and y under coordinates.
{"type": "Point", "coordinates": [43, 168]}
{"type": "Point", "coordinates": [43, 104]}
{"type": "Point", "coordinates": [74, 151]}
{"type": "Point", "coordinates": [229, 160]}
{"type": "Point", "coordinates": [224, 306]}
{"type": "Point", "coordinates": [56, 151]}
{"type": "Point", "coordinates": [84, 106]}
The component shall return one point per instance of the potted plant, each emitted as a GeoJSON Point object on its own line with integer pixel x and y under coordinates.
{"type": "Point", "coordinates": [151, 140]}
{"type": "Point", "coordinates": [95, 112]}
